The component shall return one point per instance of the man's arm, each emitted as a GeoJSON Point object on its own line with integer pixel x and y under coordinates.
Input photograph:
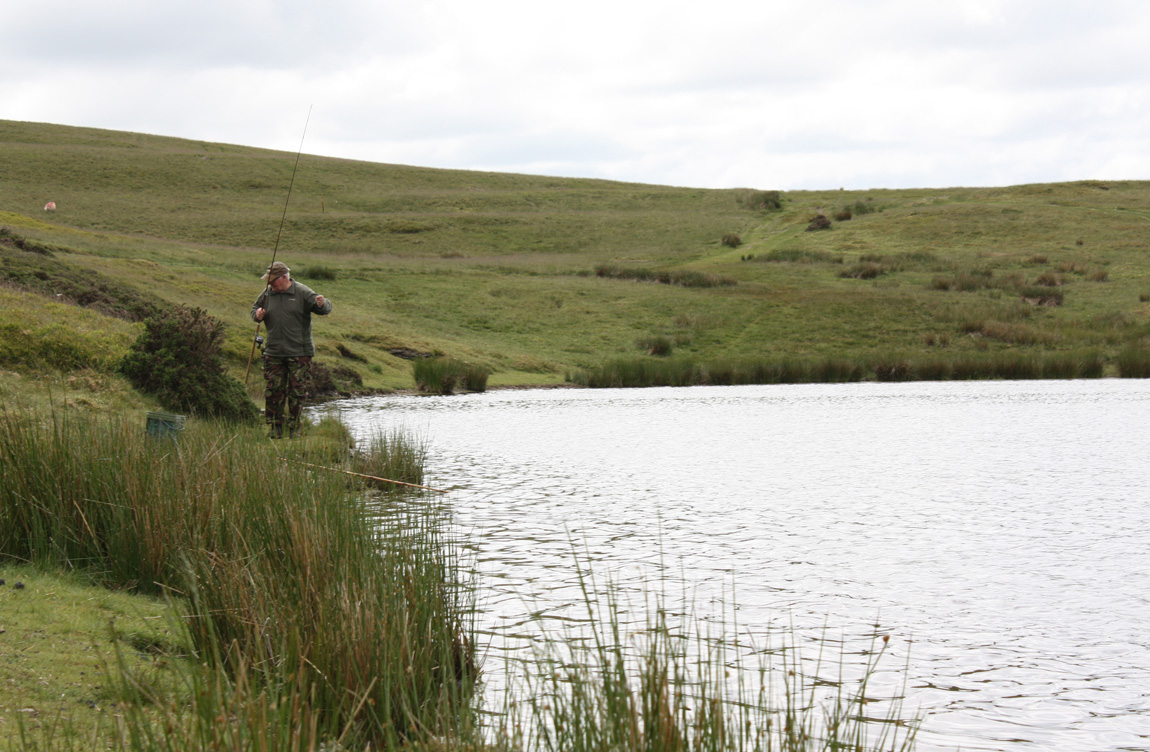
{"type": "Point", "coordinates": [257, 307]}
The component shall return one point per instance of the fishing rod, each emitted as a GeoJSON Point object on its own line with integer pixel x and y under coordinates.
{"type": "Point", "coordinates": [362, 475]}
{"type": "Point", "coordinates": [275, 250]}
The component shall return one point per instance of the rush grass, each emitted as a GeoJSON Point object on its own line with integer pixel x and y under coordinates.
{"type": "Point", "coordinates": [639, 371]}
{"type": "Point", "coordinates": [673, 685]}
{"type": "Point", "coordinates": [297, 595]}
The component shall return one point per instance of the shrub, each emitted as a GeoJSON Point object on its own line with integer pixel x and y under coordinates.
{"type": "Point", "coordinates": [732, 240]}
{"type": "Point", "coordinates": [177, 360]}
{"type": "Point", "coordinates": [1098, 275]}
{"type": "Point", "coordinates": [865, 207]}
{"type": "Point", "coordinates": [1048, 279]}
{"type": "Point", "coordinates": [819, 222]}
{"type": "Point", "coordinates": [844, 214]}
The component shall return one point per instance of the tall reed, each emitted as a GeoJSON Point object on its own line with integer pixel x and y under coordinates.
{"type": "Point", "coordinates": [1003, 364]}
{"type": "Point", "coordinates": [443, 375]}
{"type": "Point", "coordinates": [1134, 362]}
{"type": "Point", "coordinates": [673, 687]}
{"type": "Point", "coordinates": [286, 572]}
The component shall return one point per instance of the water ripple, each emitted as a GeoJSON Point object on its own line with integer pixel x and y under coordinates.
{"type": "Point", "coordinates": [997, 529]}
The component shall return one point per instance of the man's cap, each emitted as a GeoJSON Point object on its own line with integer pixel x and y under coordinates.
{"type": "Point", "coordinates": [275, 271]}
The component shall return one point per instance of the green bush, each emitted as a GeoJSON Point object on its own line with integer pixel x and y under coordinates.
{"type": "Point", "coordinates": [177, 360]}
{"type": "Point", "coordinates": [732, 240]}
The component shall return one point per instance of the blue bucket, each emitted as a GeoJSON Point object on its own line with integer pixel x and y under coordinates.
{"type": "Point", "coordinates": [165, 425]}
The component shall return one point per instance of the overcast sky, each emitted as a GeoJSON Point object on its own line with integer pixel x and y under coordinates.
{"type": "Point", "coordinates": [710, 93]}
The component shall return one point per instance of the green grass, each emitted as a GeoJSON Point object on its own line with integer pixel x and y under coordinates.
{"type": "Point", "coordinates": [497, 269]}
{"type": "Point", "coordinates": [674, 685]}
{"type": "Point", "coordinates": [294, 591]}
{"type": "Point", "coordinates": [277, 607]}
{"type": "Point", "coordinates": [443, 375]}
{"type": "Point", "coordinates": [639, 371]}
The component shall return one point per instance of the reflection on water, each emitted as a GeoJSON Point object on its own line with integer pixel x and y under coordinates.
{"type": "Point", "coordinates": [998, 529]}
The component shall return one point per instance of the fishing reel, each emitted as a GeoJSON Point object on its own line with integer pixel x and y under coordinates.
{"type": "Point", "coordinates": [260, 342]}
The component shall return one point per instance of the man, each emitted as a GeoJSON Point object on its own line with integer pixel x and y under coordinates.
{"type": "Point", "coordinates": [286, 306]}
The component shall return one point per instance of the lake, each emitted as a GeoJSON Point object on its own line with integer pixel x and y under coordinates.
{"type": "Point", "coordinates": [998, 531]}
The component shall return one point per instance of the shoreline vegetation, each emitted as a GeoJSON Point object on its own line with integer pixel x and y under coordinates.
{"type": "Point", "coordinates": [640, 371]}
{"type": "Point", "coordinates": [303, 610]}
{"type": "Point", "coordinates": [528, 279]}
{"type": "Point", "coordinates": [284, 609]}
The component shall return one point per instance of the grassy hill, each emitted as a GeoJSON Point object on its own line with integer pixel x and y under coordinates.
{"type": "Point", "coordinates": [500, 269]}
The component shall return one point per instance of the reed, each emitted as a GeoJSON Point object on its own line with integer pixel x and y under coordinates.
{"type": "Point", "coordinates": [1134, 362]}
{"type": "Point", "coordinates": [677, 687]}
{"type": "Point", "coordinates": [392, 455]}
{"type": "Point", "coordinates": [434, 375]}
{"type": "Point", "coordinates": [443, 375]}
{"type": "Point", "coordinates": [1002, 364]}
{"type": "Point", "coordinates": [639, 372]}
{"type": "Point", "coordinates": [285, 571]}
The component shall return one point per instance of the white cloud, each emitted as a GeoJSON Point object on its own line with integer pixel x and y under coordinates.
{"type": "Point", "coordinates": [859, 93]}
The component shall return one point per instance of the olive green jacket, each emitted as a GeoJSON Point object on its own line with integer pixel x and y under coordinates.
{"type": "Point", "coordinates": [287, 317]}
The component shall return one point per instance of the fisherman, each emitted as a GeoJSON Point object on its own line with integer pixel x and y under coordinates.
{"type": "Point", "coordinates": [286, 306]}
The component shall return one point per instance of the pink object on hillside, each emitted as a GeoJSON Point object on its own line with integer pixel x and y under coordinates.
{"type": "Point", "coordinates": [50, 206]}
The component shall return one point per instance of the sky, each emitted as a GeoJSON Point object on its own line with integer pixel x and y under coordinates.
{"type": "Point", "coordinates": [852, 94]}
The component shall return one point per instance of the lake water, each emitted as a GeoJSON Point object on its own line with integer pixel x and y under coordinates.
{"type": "Point", "coordinates": [998, 531]}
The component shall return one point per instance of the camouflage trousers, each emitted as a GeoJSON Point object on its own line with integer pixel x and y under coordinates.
{"type": "Point", "coordinates": [285, 386]}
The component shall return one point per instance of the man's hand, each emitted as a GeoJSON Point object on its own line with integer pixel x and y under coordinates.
{"type": "Point", "coordinates": [260, 314]}
{"type": "Point", "coordinates": [319, 301]}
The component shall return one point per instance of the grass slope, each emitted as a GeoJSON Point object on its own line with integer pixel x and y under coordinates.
{"type": "Point", "coordinates": [497, 269]}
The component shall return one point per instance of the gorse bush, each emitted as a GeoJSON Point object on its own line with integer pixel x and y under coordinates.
{"type": "Point", "coordinates": [177, 360]}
